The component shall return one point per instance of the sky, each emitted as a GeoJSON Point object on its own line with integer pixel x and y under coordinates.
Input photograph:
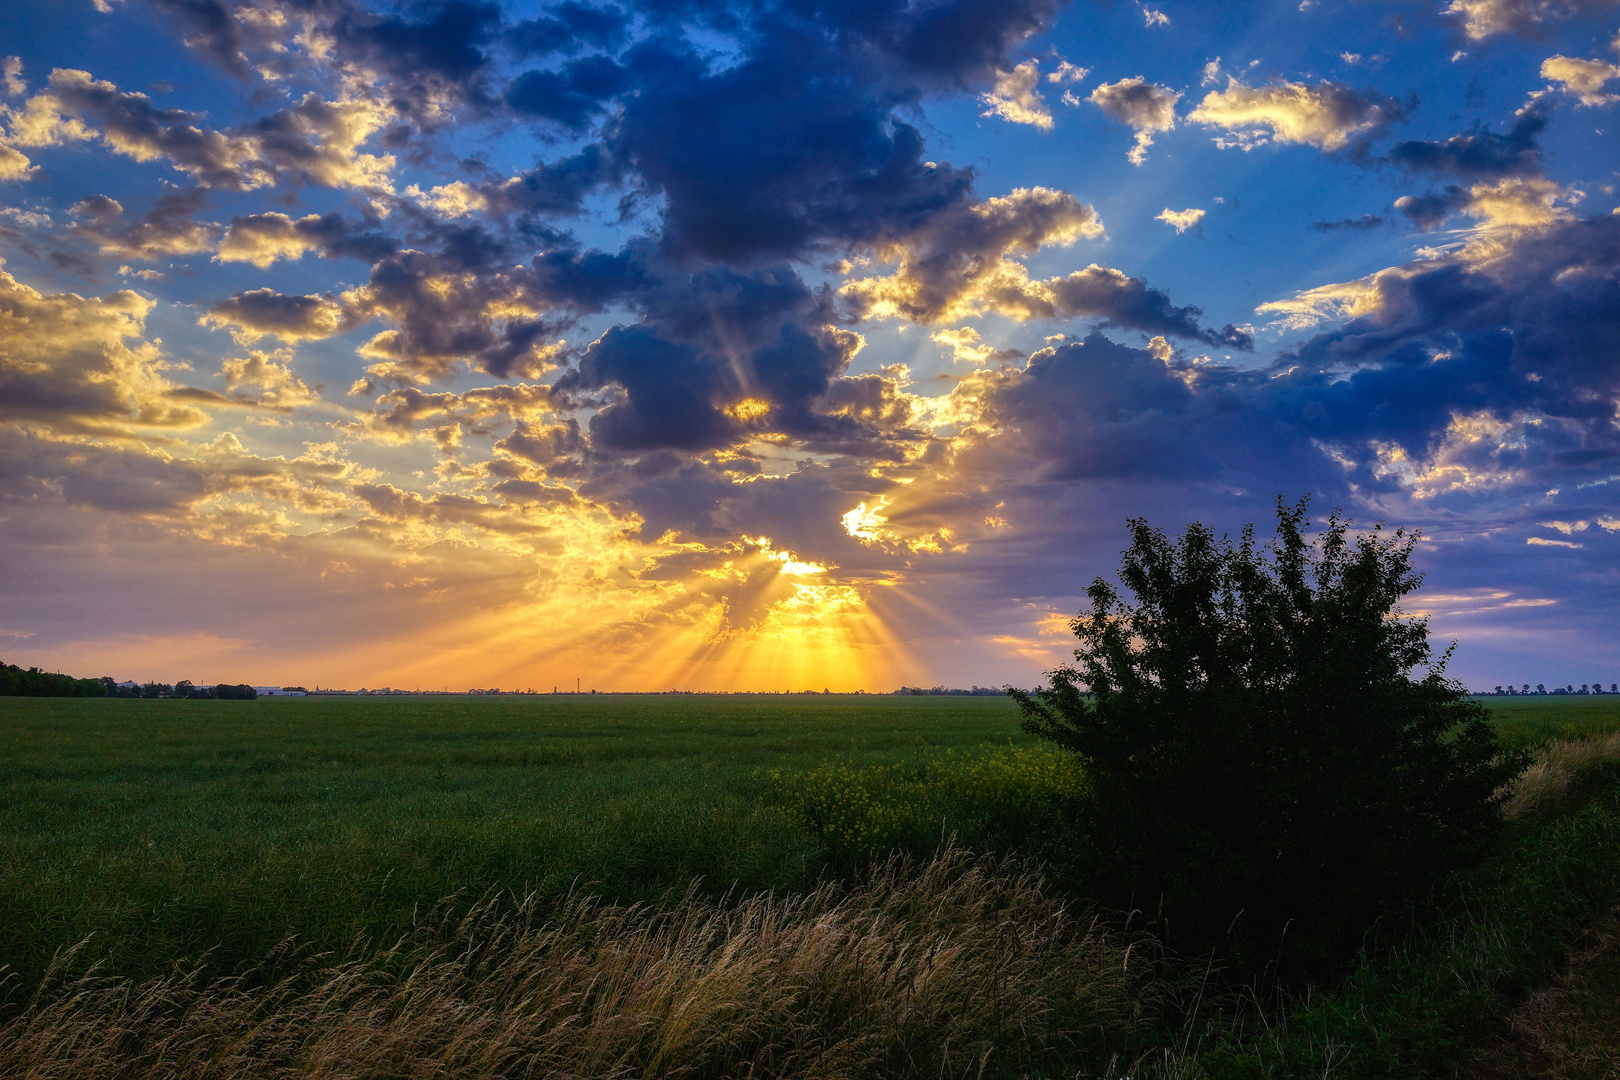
{"type": "Point", "coordinates": [787, 344]}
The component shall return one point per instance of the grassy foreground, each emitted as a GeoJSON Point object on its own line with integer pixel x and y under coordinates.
{"type": "Point", "coordinates": [179, 827]}
{"type": "Point", "coordinates": [169, 828]}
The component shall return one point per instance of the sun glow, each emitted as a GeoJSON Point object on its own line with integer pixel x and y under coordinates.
{"type": "Point", "coordinates": [866, 523]}
{"type": "Point", "coordinates": [748, 409]}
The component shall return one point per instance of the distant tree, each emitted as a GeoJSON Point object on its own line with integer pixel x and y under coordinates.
{"type": "Point", "coordinates": [1541, 688]}
{"type": "Point", "coordinates": [32, 682]}
{"type": "Point", "coordinates": [235, 692]}
{"type": "Point", "coordinates": [1255, 740]}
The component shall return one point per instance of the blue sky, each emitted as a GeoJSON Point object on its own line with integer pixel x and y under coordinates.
{"type": "Point", "coordinates": [784, 344]}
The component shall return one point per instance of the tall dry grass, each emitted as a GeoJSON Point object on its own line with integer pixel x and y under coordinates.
{"type": "Point", "coordinates": [1555, 769]}
{"type": "Point", "coordinates": [961, 966]}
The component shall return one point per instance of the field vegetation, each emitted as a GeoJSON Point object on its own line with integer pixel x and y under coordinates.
{"type": "Point", "coordinates": [172, 828]}
{"type": "Point", "coordinates": [479, 887]}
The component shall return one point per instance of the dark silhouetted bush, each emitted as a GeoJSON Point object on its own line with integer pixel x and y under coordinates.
{"type": "Point", "coordinates": [1259, 752]}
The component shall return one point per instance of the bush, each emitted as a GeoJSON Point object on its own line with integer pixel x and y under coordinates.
{"type": "Point", "coordinates": [1257, 750]}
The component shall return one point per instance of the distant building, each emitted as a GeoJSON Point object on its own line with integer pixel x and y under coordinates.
{"type": "Point", "coordinates": [276, 691]}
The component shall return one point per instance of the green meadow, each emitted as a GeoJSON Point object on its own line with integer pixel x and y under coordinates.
{"type": "Point", "coordinates": [167, 828]}
{"type": "Point", "coordinates": [158, 830]}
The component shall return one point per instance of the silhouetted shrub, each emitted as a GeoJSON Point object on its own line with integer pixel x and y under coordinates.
{"type": "Point", "coordinates": [1256, 742]}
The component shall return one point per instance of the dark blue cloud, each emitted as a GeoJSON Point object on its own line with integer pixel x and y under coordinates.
{"type": "Point", "coordinates": [1481, 154]}
{"type": "Point", "coordinates": [568, 28]}
{"type": "Point", "coordinates": [571, 97]}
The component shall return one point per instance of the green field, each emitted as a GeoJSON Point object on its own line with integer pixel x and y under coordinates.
{"type": "Point", "coordinates": [168, 828]}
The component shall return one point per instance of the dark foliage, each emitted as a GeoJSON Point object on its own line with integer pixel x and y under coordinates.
{"type": "Point", "coordinates": [1263, 763]}
{"type": "Point", "coordinates": [32, 682]}
{"type": "Point", "coordinates": [219, 692]}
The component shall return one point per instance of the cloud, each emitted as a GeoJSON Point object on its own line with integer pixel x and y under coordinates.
{"type": "Point", "coordinates": [964, 344]}
{"type": "Point", "coordinates": [1067, 73]}
{"type": "Point", "coordinates": [1154, 18]}
{"type": "Point", "coordinates": [1016, 97]}
{"type": "Point", "coordinates": [1365, 221]}
{"type": "Point", "coordinates": [1487, 18]}
{"type": "Point", "coordinates": [271, 375]}
{"type": "Point", "coordinates": [763, 339]}
{"type": "Point", "coordinates": [1181, 219]}
{"type": "Point", "coordinates": [261, 239]}
{"type": "Point", "coordinates": [167, 229]}
{"type": "Point", "coordinates": [316, 141]}
{"type": "Point", "coordinates": [962, 264]}
{"type": "Point", "coordinates": [426, 63]}
{"type": "Point", "coordinates": [1328, 116]}
{"type": "Point", "coordinates": [1146, 107]}
{"type": "Point", "coordinates": [448, 417]}
{"type": "Point", "coordinates": [1481, 154]}
{"type": "Point", "coordinates": [1511, 202]}
{"type": "Point", "coordinates": [1582, 79]}
{"type": "Point", "coordinates": [253, 314]}
{"type": "Point", "coordinates": [78, 364]}
{"type": "Point", "coordinates": [14, 164]}
{"type": "Point", "coordinates": [11, 80]}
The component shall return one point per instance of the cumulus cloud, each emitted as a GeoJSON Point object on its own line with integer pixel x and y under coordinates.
{"type": "Point", "coordinates": [964, 344]}
{"type": "Point", "coordinates": [271, 375]}
{"type": "Point", "coordinates": [1480, 154]}
{"type": "Point", "coordinates": [956, 263]}
{"type": "Point", "coordinates": [1017, 99]}
{"type": "Point", "coordinates": [169, 228]}
{"type": "Point", "coordinates": [556, 188]}
{"type": "Point", "coordinates": [1487, 18]}
{"type": "Point", "coordinates": [261, 239]}
{"type": "Point", "coordinates": [1145, 107]}
{"type": "Point", "coordinates": [251, 315]}
{"type": "Point", "coordinates": [1508, 203]}
{"type": "Point", "coordinates": [447, 417]}
{"type": "Point", "coordinates": [1582, 79]}
{"type": "Point", "coordinates": [1328, 116]}
{"type": "Point", "coordinates": [1182, 220]}
{"type": "Point", "coordinates": [14, 164]}
{"type": "Point", "coordinates": [1067, 73]}
{"type": "Point", "coordinates": [963, 264]}
{"type": "Point", "coordinates": [80, 364]}
{"type": "Point", "coordinates": [316, 141]}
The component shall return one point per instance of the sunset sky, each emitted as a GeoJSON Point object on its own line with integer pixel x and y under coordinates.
{"type": "Point", "coordinates": [786, 344]}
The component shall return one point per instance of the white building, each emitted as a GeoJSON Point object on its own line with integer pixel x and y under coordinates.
{"type": "Point", "coordinates": [276, 691]}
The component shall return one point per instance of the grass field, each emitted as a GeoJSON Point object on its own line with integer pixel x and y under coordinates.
{"type": "Point", "coordinates": [168, 829]}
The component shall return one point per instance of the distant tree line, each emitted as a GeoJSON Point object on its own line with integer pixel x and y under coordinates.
{"type": "Point", "coordinates": [940, 691]}
{"type": "Point", "coordinates": [1541, 688]}
{"type": "Point", "coordinates": [32, 682]}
